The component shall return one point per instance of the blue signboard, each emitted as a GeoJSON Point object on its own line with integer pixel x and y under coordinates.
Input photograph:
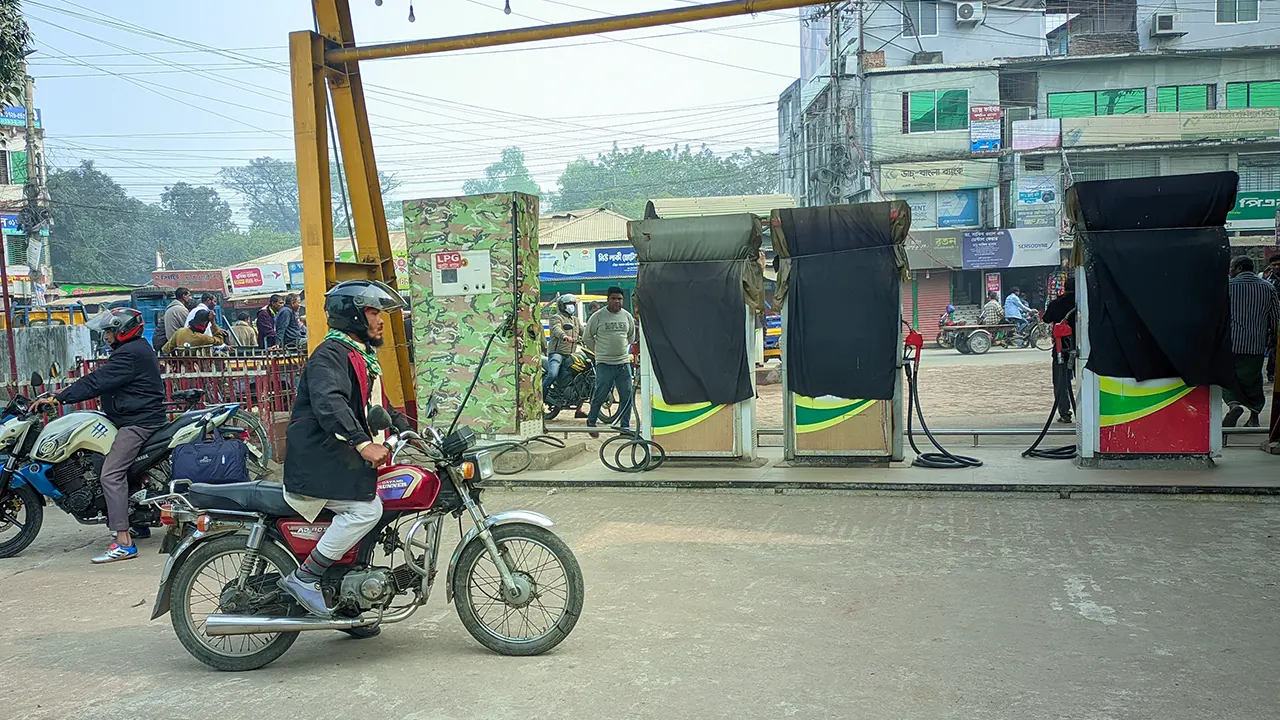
{"type": "Point", "coordinates": [16, 116]}
{"type": "Point", "coordinates": [295, 274]}
{"type": "Point", "coordinates": [576, 263]}
{"type": "Point", "coordinates": [958, 208]}
{"type": "Point", "coordinates": [9, 225]}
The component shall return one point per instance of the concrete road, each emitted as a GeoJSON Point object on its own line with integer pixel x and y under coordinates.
{"type": "Point", "coordinates": [706, 605]}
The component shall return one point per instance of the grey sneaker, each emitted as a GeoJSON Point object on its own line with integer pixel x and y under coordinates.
{"type": "Point", "coordinates": [308, 595]}
{"type": "Point", "coordinates": [1252, 421]}
{"type": "Point", "coordinates": [1233, 415]}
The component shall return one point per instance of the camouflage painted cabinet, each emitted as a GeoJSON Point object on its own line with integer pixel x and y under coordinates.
{"type": "Point", "coordinates": [473, 263]}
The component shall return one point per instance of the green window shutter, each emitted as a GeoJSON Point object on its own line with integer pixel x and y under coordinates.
{"type": "Point", "coordinates": [1264, 94]}
{"type": "Point", "coordinates": [1069, 105]}
{"type": "Point", "coordinates": [953, 110]}
{"type": "Point", "coordinates": [17, 168]}
{"type": "Point", "coordinates": [921, 112]}
{"type": "Point", "coordinates": [1193, 98]}
{"type": "Point", "coordinates": [1167, 99]}
{"type": "Point", "coordinates": [1122, 102]}
{"type": "Point", "coordinates": [1237, 95]}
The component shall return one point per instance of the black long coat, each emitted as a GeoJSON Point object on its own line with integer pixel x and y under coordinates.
{"type": "Point", "coordinates": [329, 420]}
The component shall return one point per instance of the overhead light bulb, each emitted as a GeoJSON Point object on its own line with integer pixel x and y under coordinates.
{"type": "Point", "coordinates": [507, 9]}
{"type": "Point", "coordinates": [411, 17]}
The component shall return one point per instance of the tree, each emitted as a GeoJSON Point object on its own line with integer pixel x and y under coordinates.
{"type": "Point", "coordinates": [188, 215]}
{"type": "Point", "coordinates": [508, 174]}
{"type": "Point", "coordinates": [269, 187]}
{"type": "Point", "coordinates": [15, 43]}
{"type": "Point", "coordinates": [234, 247]}
{"type": "Point", "coordinates": [624, 180]}
{"type": "Point", "coordinates": [100, 234]}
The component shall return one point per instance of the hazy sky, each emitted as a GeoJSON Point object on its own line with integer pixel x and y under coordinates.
{"type": "Point", "coordinates": [159, 91]}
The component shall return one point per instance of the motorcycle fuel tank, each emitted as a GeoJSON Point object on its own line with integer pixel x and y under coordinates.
{"type": "Point", "coordinates": [407, 487]}
{"type": "Point", "coordinates": [84, 430]}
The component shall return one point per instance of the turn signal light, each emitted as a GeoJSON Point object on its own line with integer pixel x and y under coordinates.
{"type": "Point", "coordinates": [166, 516]}
{"type": "Point", "coordinates": [203, 523]}
{"type": "Point", "coordinates": [469, 470]}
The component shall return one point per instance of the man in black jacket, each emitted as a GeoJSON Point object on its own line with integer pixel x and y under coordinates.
{"type": "Point", "coordinates": [132, 397]}
{"type": "Point", "coordinates": [332, 460]}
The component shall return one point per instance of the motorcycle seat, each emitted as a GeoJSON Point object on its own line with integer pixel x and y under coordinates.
{"type": "Point", "coordinates": [165, 433]}
{"type": "Point", "coordinates": [194, 394]}
{"type": "Point", "coordinates": [256, 496]}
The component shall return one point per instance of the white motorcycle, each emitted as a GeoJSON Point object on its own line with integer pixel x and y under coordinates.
{"type": "Point", "coordinates": [61, 460]}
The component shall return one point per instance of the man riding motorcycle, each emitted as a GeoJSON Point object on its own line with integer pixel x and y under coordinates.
{"type": "Point", "coordinates": [132, 396]}
{"type": "Point", "coordinates": [332, 461]}
{"type": "Point", "coordinates": [563, 342]}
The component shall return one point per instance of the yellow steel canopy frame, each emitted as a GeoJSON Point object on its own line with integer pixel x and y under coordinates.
{"type": "Point", "coordinates": [331, 57]}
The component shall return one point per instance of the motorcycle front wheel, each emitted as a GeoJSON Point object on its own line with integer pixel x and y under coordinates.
{"type": "Point", "coordinates": [205, 584]}
{"type": "Point", "coordinates": [21, 515]}
{"type": "Point", "coordinates": [550, 591]}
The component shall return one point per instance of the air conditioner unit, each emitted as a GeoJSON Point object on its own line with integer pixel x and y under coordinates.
{"type": "Point", "coordinates": [1166, 25]}
{"type": "Point", "coordinates": [969, 12]}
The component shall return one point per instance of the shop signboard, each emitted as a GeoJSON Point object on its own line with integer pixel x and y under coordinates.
{"type": "Point", "coordinates": [589, 262]}
{"type": "Point", "coordinates": [256, 280]}
{"type": "Point", "coordinates": [295, 274]}
{"type": "Point", "coordinates": [939, 175]}
{"type": "Point", "coordinates": [9, 225]}
{"type": "Point", "coordinates": [1009, 247]}
{"type": "Point", "coordinates": [993, 283]}
{"type": "Point", "coordinates": [984, 128]}
{"type": "Point", "coordinates": [1037, 134]}
{"type": "Point", "coordinates": [1037, 201]}
{"type": "Point", "coordinates": [1252, 123]}
{"type": "Point", "coordinates": [1254, 211]}
{"type": "Point", "coordinates": [210, 280]}
{"type": "Point", "coordinates": [16, 116]}
{"type": "Point", "coordinates": [958, 208]}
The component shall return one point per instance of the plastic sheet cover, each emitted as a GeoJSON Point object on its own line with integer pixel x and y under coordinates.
{"type": "Point", "coordinates": [697, 276]}
{"type": "Point", "coordinates": [840, 275]}
{"type": "Point", "coordinates": [1156, 257]}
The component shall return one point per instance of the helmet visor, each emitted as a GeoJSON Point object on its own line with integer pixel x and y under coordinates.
{"type": "Point", "coordinates": [380, 297]}
{"type": "Point", "coordinates": [100, 322]}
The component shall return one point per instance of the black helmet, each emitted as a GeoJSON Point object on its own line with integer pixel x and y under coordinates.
{"type": "Point", "coordinates": [345, 303]}
{"type": "Point", "coordinates": [127, 323]}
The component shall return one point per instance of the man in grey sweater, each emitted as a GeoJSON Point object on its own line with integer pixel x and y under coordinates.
{"type": "Point", "coordinates": [609, 335]}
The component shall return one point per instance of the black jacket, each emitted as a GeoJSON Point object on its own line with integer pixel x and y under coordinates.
{"type": "Point", "coordinates": [128, 385]}
{"type": "Point", "coordinates": [328, 422]}
{"type": "Point", "coordinates": [1062, 308]}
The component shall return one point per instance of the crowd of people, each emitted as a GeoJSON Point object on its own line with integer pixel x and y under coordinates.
{"type": "Point", "coordinates": [189, 324]}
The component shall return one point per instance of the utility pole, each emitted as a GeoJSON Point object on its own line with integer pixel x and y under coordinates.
{"type": "Point", "coordinates": [34, 219]}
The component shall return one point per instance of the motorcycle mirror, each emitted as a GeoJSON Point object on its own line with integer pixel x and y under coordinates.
{"type": "Point", "coordinates": [379, 418]}
{"type": "Point", "coordinates": [36, 380]}
{"type": "Point", "coordinates": [432, 409]}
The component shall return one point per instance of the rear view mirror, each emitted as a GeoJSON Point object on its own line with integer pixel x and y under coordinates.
{"type": "Point", "coordinates": [36, 380]}
{"type": "Point", "coordinates": [379, 418]}
{"type": "Point", "coordinates": [432, 408]}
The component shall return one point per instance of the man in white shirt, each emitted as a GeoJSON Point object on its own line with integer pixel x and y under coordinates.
{"type": "Point", "coordinates": [208, 302]}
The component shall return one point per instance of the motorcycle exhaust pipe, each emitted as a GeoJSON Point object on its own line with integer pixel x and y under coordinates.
{"type": "Point", "coordinates": [248, 624]}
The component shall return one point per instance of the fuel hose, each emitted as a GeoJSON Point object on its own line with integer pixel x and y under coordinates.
{"type": "Point", "coordinates": [943, 459]}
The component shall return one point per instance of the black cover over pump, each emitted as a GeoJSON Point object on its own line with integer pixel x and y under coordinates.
{"type": "Point", "coordinates": [1156, 257]}
{"type": "Point", "coordinates": [841, 286]}
{"type": "Point", "coordinates": [695, 279]}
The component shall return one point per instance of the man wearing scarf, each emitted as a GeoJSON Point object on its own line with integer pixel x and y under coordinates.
{"type": "Point", "coordinates": [332, 458]}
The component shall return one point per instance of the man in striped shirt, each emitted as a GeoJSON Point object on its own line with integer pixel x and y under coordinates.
{"type": "Point", "coordinates": [1255, 310]}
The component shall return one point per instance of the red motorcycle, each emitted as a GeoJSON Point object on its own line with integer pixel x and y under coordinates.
{"type": "Point", "coordinates": [516, 586]}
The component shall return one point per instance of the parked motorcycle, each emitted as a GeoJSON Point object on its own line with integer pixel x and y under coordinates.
{"type": "Point", "coordinates": [516, 586]}
{"type": "Point", "coordinates": [573, 388]}
{"type": "Point", "coordinates": [61, 460]}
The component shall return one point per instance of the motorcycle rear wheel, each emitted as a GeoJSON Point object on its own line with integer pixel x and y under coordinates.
{"type": "Point", "coordinates": [22, 507]}
{"type": "Point", "coordinates": [222, 556]}
{"type": "Point", "coordinates": [477, 591]}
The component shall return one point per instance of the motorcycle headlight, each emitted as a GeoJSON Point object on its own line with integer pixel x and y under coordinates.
{"type": "Point", "coordinates": [478, 466]}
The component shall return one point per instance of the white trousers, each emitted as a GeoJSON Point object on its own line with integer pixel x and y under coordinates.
{"type": "Point", "coordinates": [351, 520]}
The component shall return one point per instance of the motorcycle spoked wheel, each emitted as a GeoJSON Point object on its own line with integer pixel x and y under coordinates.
{"type": "Point", "coordinates": [21, 509]}
{"type": "Point", "coordinates": [551, 595]}
{"type": "Point", "coordinates": [199, 590]}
